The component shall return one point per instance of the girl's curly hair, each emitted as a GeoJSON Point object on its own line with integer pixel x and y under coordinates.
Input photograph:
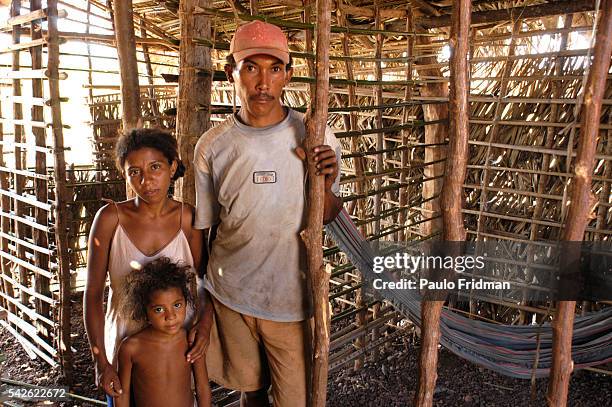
{"type": "Point", "coordinates": [157, 139]}
{"type": "Point", "coordinates": [160, 274]}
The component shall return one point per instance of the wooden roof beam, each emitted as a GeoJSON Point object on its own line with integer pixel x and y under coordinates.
{"type": "Point", "coordinates": [369, 12]}
{"type": "Point", "coordinates": [494, 16]}
{"type": "Point", "coordinates": [425, 7]}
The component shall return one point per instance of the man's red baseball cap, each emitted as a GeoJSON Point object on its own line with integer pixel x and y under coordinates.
{"type": "Point", "coordinates": [258, 37]}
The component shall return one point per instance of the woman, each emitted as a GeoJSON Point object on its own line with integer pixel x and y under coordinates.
{"type": "Point", "coordinates": [128, 234]}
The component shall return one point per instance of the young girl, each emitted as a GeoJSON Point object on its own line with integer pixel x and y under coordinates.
{"type": "Point", "coordinates": [128, 234]}
{"type": "Point", "coordinates": [151, 362]}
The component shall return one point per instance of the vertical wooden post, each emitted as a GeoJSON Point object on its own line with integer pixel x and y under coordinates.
{"type": "Point", "coordinates": [5, 264]}
{"type": "Point", "coordinates": [456, 162]}
{"type": "Point", "coordinates": [128, 65]}
{"type": "Point", "coordinates": [61, 194]}
{"type": "Point", "coordinates": [5, 226]}
{"type": "Point", "coordinates": [378, 100]}
{"type": "Point", "coordinates": [19, 180]}
{"type": "Point", "coordinates": [89, 63]}
{"type": "Point", "coordinates": [312, 235]}
{"type": "Point", "coordinates": [361, 316]}
{"type": "Point", "coordinates": [90, 93]}
{"type": "Point", "coordinates": [5, 201]}
{"type": "Point", "coordinates": [403, 192]}
{"type": "Point", "coordinates": [380, 145]}
{"type": "Point", "coordinates": [473, 303]}
{"type": "Point", "coordinates": [152, 95]}
{"type": "Point", "coordinates": [308, 40]}
{"type": "Point", "coordinates": [452, 191]}
{"type": "Point", "coordinates": [435, 134]}
{"type": "Point", "coordinates": [581, 201]}
{"type": "Point", "coordinates": [195, 83]}
{"type": "Point", "coordinates": [254, 7]}
{"type": "Point", "coordinates": [40, 185]}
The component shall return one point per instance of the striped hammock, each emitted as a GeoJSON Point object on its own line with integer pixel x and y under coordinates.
{"type": "Point", "coordinates": [507, 349]}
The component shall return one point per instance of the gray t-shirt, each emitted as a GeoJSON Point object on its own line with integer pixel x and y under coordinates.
{"type": "Point", "coordinates": [251, 182]}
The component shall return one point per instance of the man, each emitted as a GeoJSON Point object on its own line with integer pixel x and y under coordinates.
{"type": "Point", "coordinates": [250, 181]}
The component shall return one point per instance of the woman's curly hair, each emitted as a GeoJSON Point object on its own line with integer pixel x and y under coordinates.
{"type": "Point", "coordinates": [160, 274]}
{"type": "Point", "coordinates": [157, 139]}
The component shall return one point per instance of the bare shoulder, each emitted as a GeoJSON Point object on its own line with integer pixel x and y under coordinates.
{"type": "Point", "coordinates": [188, 216]}
{"type": "Point", "coordinates": [106, 219]}
{"type": "Point", "coordinates": [107, 212]}
{"type": "Point", "coordinates": [126, 206]}
{"type": "Point", "coordinates": [130, 345]}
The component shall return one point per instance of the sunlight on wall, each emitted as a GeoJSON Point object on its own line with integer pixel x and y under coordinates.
{"type": "Point", "coordinates": [74, 62]}
{"type": "Point", "coordinates": [444, 54]}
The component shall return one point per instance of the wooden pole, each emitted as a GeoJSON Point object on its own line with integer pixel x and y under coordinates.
{"type": "Point", "coordinates": [358, 163]}
{"type": "Point", "coordinates": [194, 90]}
{"type": "Point", "coordinates": [19, 137]}
{"type": "Point", "coordinates": [254, 8]}
{"type": "Point", "coordinates": [5, 226]}
{"type": "Point", "coordinates": [456, 162]}
{"type": "Point", "coordinates": [90, 94]}
{"type": "Point", "coordinates": [452, 197]}
{"type": "Point", "coordinates": [312, 235]}
{"type": "Point", "coordinates": [361, 316]}
{"type": "Point", "coordinates": [582, 201]}
{"type": "Point", "coordinates": [61, 194]}
{"type": "Point", "coordinates": [147, 59]}
{"type": "Point", "coordinates": [380, 144]}
{"type": "Point", "coordinates": [308, 40]}
{"type": "Point", "coordinates": [407, 110]}
{"type": "Point", "coordinates": [40, 185]}
{"type": "Point", "coordinates": [128, 65]}
{"type": "Point", "coordinates": [378, 100]}
{"type": "Point", "coordinates": [435, 135]}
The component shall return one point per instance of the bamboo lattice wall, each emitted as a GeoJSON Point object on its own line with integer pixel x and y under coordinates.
{"type": "Point", "coordinates": [388, 106]}
{"type": "Point", "coordinates": [35, 268]}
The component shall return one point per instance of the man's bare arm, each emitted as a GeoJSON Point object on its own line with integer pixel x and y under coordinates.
{"type": "Point", "coordinates": [327, 165]}
{"type": "Point", "coordinates": [332, 207]}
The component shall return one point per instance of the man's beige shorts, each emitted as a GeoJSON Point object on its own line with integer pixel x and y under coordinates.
{"type": "Point", "coordinates": [243, 347]}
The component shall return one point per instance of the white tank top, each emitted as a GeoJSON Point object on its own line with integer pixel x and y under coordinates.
{"type": "Point", "coordinates": [124, 255]}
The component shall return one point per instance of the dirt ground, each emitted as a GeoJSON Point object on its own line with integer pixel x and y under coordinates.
{"type": "Point", "coordinates": [391, 382]}
{"type": "Point", "coordinates": [388, 382]}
